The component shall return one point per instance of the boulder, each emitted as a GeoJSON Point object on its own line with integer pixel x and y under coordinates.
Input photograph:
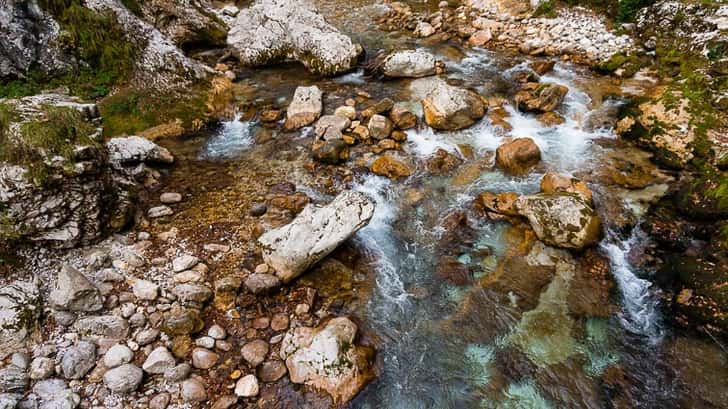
{"type": "Point", "coordinates": [305, 107]}
{"type": "Point", "coordinates": [553, 182]}
{"type": "Point", "coordinates": [449, 108]}
{"type": "Point", "coordinates": [517, 156]}
{"type": "Point", "coordinates": [19, 310]}
{"type": "Point", "coordinates": [132, 150]}
{"type": "Point", "coordinates": [329, 146]}
{"type": "Point", "coordinates": [409, 64]}
{"type": "Point", "coordinates": [561, 219]}
{"type": "Point", "coordinates": [380, 127]}
{"type": "Point", "coordinates": [540, 98]}
{"type": "Point", "coordinates": [329, 359]}
{"type": "Point", "coordinates": [188, 23]}
{"type": "Point", "coordinates": [74, 292]}
{"type": "Point", "coordinates": [391, 167]}
{"type": "Point", "coordinates": [273, 30]}
{"type": "Point", "coordinates": [314, 233]}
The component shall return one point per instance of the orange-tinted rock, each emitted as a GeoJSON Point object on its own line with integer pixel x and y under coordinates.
{"type": "Point", "coordinates": [443, 162]}
{"type": "Point", "coordinates": [518, 156]}
{"type": "Point", "coordinates": [388, 166]}
{"type": "Point", "coordinates": [553, 182]}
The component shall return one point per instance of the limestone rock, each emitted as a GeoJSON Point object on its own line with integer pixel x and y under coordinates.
{"type": "Point", "coordinates": [131, 150]}
{"type": "Point", "coordinates": [450, 108]}
{"type": "Point", "coordinates": [272, 30]}
{"type": "Point", "coordinates": [409, 64]}
{"type": "Point", "coordinates": [330, 360]}
{"type": "Point", "coordinates": [553, 182]}
{"type": "Point", "coordinates": [314, 233]}
{"type": "Point", "coordinates": [74, 292]}
{"type": "Point", "coordinates": [158, 361]}
{"type": "Point", "coordinates": [109, 326]}
{"type": "Point", "coordinates": [305, 107]}
{"type": "Point", "coordinates": [541, 97]}
{"type": "Point", "coordinates": [123, 379]}
{"type": "Point", "coordinates": [78, 360]}
{"type": "Point", "coordinates": [19, 309]}
{"type": "Point", "coordinates": [391, 167]}
{"type": "Point", "coordinates": [561, 219]}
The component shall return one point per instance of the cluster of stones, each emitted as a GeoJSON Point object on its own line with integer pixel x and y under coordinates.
{"type": "Point", "coordinates": [574, 33]}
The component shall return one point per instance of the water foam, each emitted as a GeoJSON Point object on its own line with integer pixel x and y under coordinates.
{"type": "Point", "coordinates": [233, 138]}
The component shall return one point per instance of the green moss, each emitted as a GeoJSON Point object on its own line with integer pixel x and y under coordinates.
{"type": "Point", "coordinates": [130, 111]}
{"type": "Point", "coordinates": [57, 133]}
{"type": "Point", "coordinates": [95, 39]}
{"type": "Point", "coordinates": [545, 9]}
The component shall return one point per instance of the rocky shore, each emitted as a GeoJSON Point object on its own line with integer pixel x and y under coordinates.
{"type": "Point", "coordinates": [245, 287]}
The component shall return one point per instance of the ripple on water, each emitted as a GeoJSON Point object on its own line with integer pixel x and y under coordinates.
{"type": "Point", "coordinates": [232, 138]}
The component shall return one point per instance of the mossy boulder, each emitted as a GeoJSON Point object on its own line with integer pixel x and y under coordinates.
{"type": "Point", "coordinates": [20, 306]}
{"type": "Point", "coordinates": [704, 198]}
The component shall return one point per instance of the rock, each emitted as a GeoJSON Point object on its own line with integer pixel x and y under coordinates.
{"type": "Point", "coordinates": [409, 64]}
{"type": "Point", "coordinates": [145, 290]}
{"type": "Point", "coordinates": [225, 402]}
{"type": "Point", "coordinates": [553, 182]}
{"type": "Point", "coordinates": [424, 30]}
{"type": "Point", "coordinates": [391, 167]}
{"type": "Point", "coordinates": [182, 321]}
{"type": "Point", "coordinates": [217, 332]}
{"type": "Point", "coordinates": [279, 322]}
{"type": "Point", "coordinates": [380, 127]}
{"type": "Point", "coordinates": [346, 112]}
{"type": "Point", "coordinates": [271, 371]}
{"type": "Point", "coordinates": [541, 97]}
{"type": "Point", "coordinates": [20, 305]}
{"type": "Point", "coordinates": [498, 203]}
{"type": "Point", "coordinates": [146, 336]}
{"type": "Point", "coordinates": [159, 211]}
{"type": "Point", "coordinates": [314, 233]}
{"type": "Point", "coordinates": [305, 107]}
{"type": "Point", "coordinates": [170, 198]}
{"type": "Point", "coordinates": [41, 368]}
{"type": "Point", "coordinates": [330, 126]}
{"type": "Point", "coordinates": [258, 283]}
{"type": "Point", "coordinates": [184, 262]}
{"type": "Point", "coordinates": [254, 352]}
{"type": "Point", "coordinates": [193, 390]}
{"type": "Point", "coordinates": [158, 361]}
{"type": "Point", "coordinates": [381, 107]}
{"type": "Point", "coordinates": [403, 118]}
{"type": "Point", "coordinates": [203, 358]}
{"type": "Point", "coordinates": [132, 150]}
{"type": "Point", "coordinates": [480, 38]}
{"type": "Point", "coordinates": [450, 108]}
{"type": "Point", "coordinates": [272, 30]}
{"type": "Point", "coordinates": [118, 355]}
{"type": "Point", "coordinates": [192, 293]}
{"type": "Point", "coordinates": [328, 359]}
{"type": "Point", "coordinates": [550, 119]}
{"type": "Point", "coordinates": [123, 379]}
{"type": "Point", "coordinates": [13, 379]}
{"type": "Point", "coordinates": [542, 67]}
{"type": "Point", "coordinates": [331, 152]}
{"type": "Point", "coordinates": [74, 292]}
{"type": "Point", "coordinates": [178, 373]}
{"type": "Point", "coordinates": [561, 219]}
{"type": "Point", "coordinates": [443, 162]}
{"type": "Point", "coordinates": [109, 326]}
{"type": "Point", "coordinates": [205, 342]}
{"type": "Point", "coordinates": [247, 386]}
{"type": "Point", "coordinates": [160, 401]}
{"type": "Point", "coordinates": [78, 360]}
{"type": "Point", "coordinates": [188, 23]}
{"type": "Point", "coordinates": [517, 156]}
{"type": "Point", "coordinates": [55, 394]}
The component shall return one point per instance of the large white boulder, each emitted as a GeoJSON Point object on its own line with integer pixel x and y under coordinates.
{"type": "Point", "coordinates": [273, 30]}
{"type": "Point", "coordinates": [314, 233]}
{"type": "Point", "coordinates": [410, 64]}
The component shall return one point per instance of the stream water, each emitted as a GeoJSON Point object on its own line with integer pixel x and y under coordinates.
{"type": "Point", "coordinates": [513, 335]}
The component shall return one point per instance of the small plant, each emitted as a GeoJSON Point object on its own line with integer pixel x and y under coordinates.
{"type": "Point", "coordinates": [545, 9]}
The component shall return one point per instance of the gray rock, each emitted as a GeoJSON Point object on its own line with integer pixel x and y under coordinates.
{"type": "Point", "coordinates": [13, 379]}
{"type": "Point", "coordinates": [159, 211]}
{"type": "Point", "coordinates": [55, 394]}
{"type": "Point", "coordinates": [160, 401]}
{"type": "Point", "coordinates": [118, 355]}
{"type": "Point", "coordinates": [561, 219]}
{"type": "Point", "coordinates": [450, 108]}
{"type": "Point", "coordinates": [42, 368]}
{"type": "Point", "coordinates": [15, 400]}
{"type": "Point", "coordinates": [192, 293]}
{"type": "Point", "coordinates": [74, 292]}
{"type": "Point", "coordinates": [271, 30]}
{"type": "Point", "coordinates": [132, 150]}
{"type": "Point", "coordinates": [178, 373]}
{"type": "Point", "coordinates": [258, 283]}
{"type": "Point", "coordinates": [123, 379]}
{"type": "Point", "coordinates": [193, 390]}
{"type": "Point", "coordinates": [217, 332]}
{"type": "Point", "coordinates": [409, 64]}
{"type": "Point", "coordinates": [314, 233]}
{"type": "Point", "coordinates": [109, 326]}
{"type": "Point", "coordinates": [247, 386]}
{"type": "Point", "coordinates": [305, 107]}
{"type": "Point", "coordinates": [19, 309]}
{"type": "Point", "coordinates": [380, 127]}
{"type": "Point", "coordinates": [145, 290]}
{"type": "Point", "coordinates": [184, 262]}
{"type": "Point", "coordinates": [146, 336]}
{"type": "Point", "coordinates": [158, 361]}
{"type": "Point", "coordinates": [170, 198]}
{"type": "Point", "coordinates": [78, 360]}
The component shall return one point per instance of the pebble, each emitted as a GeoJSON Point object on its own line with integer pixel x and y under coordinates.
{"type": "Point", "coordinates": [145, 290]}
{"type": "Point", "coordinates": [159, 211]}
{"type": "Point", "coordinates": [205, 342]}
{"type": "Point", "coordinates": [254, 352]}
{"type": "Point", "coordinates": [158, 361]}
{"type": "Point", "coordinates": [203, 358]}
{"type": "Point", "coordinates": [217, 332]}
{"type": "Point", "coordinates": [123, 379]}
{"type": "Point", "coordinates": [225, 402]}
{"type": "Point", "coordinates": [41, 368]}
{"type": "Point", "coordinates": [178, 373]}
{"type": "Point", "coordinates": [118, 355]}
{"type": "Point", "coordinates": [184, 262]}
{"type": "Point", "coordinates": [78, 360]}
{"type": "Point", "coordinates": [192, 390]}
{"type": "Point", "coordinates": [170, 198]}
{"type": "Point", "coordinates": [279, 322]}
{"type": "Point", "coordinates": [271, 371]}
{"type": "Point", "coordinates": [146, 336]}
{"type": "Point", "coordinates": [159, 401]}
{"type": "Point", "coordinates": [247, 386]}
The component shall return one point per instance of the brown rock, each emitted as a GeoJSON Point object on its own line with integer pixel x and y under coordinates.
{"type": "Point", "coordinates": [543, 66]}
{"type": "Point", "coordinates": [388, 166]}
{"type": "Point", "coordinates": [399, 136]}
{"type": "Point", "coordinates": [254, 352]}
{"type": "Point", "coordinates": [361, 132]}
{"type": "Point", "coordinates": [271, 115]}
{"type": "Point", "coordinates": [379, 108]}
{"type": "Point", "coordinates": [480, 38]}
{"type": "Point", "coordinates": [500, 203]}
{"type": "Point", "coordinates": [517, 156]}
{"type": "Point", "coordinates": [443, 162]}
{"type": "Point", "coordinates": [271, 371]}
{"type": "Point", "coordinates": [279, 322]}
{"type": "Point", "coordinates": [450, 269]}
{"type": "Point", "coordinates": [541, 97]}
{"type": "Point", "coordinates": [553, 182]}
{"type": "Point", "coordinates": [380, 126]}
{"type": "Point", "coordinates": [550, 118]}
{"type": "Point", "coordinates": [403, 118]}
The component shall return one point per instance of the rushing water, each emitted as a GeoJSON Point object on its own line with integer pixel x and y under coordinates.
{"type": "Point", "coordinates": [512, 335]}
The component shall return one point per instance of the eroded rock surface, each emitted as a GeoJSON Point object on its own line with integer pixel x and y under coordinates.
{"type": "Point", "coordinates": [563, 219]}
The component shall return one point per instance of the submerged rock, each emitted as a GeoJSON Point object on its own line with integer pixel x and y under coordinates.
{"type": "Point", "coordinates": [450, 108]}
{"type": "Point", "coordinates": [329, 359]}
{"type": "Point", "coordinates": [391, 167]}
{"type": "Point", "coordinates": [314, 233]}
{"type": "Point", "coordinates": [272, 30]}
{"type": "Point", "coordinates": [561, 219]}
{"type": "Point", "coordinates": [518, 156]}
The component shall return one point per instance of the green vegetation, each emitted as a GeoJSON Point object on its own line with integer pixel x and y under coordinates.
{"type": "Point", "coordinates": [56, 133]}
{"type": "Point", "coordinates": [96, 39]}
{"type": "Point", "coordinates": [130, 111]}
{"type": "Point", "coordinates": [545, 9]}
{"type": "Point", "coordinates": [621, 11]}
